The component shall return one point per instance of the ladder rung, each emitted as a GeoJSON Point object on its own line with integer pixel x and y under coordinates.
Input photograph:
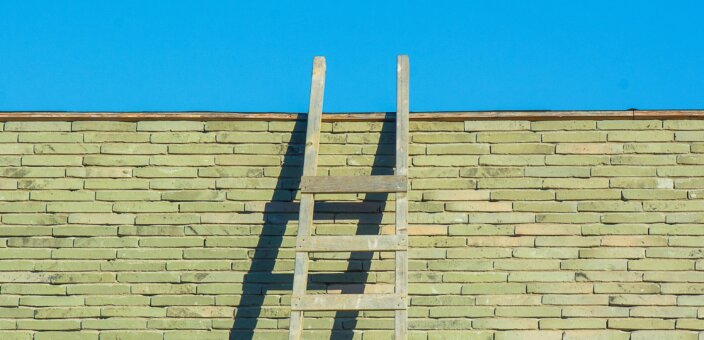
{"type": "Point", "coordinates": [352, 184]}
{"type": "Point", "coordinates": [353, 243]}
{"type": "Point", "coordinates": [348, 302]}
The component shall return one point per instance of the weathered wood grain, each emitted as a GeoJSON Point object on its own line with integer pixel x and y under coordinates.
{"type": "Point", "coordinates": [352, 184]}
{"type": "Point", "coordinates": [402, 108]}
{"type": "Point", "coordinates": [348, 302]}
{"type": "Point", "coordinates": [305, 217]}
{"type": "Point", "coordinates": [353, 243]}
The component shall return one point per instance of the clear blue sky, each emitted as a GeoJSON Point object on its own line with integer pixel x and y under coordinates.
{"type": "Point", "coordinates": [257, 55]}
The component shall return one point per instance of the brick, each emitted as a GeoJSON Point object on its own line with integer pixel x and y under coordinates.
{"type": "Point", "coordinates": [102, 160]}
{"type": "Point", "coordinates": [18, 335]}
{"type": "Point", "coordinates": [127, 195]}
{"type": "Point", "coordinates": [656, 148]}
{"type": "Point", "coordinates": [444, 160]}
{"type": "Point", "coordinates": [188, 149]}
{"type": "Point", "coordinates": [167, 219]}
{"type": "Point", "coordinates": [514, 160]}
{"type": "Point", "coordinates": [632, 217]}
{"type": "Point", "coordinates": [132, 149]}
{"type": "Point", "coordinates": [637, 300]}
{"type": "Point", "coordinates": [573, 323]}
{"type": "Point", "coordinates": [529, 335]}
{"type": "Point", "coordinates": [571, 299]}
{"type": "Point", "coordinates": [501, 218]}
{"type": "Point", "coordinates": [66, 313]}
{"type": "Point", "coordinates": [103, 126]}
{"type": "Point", "coordinates": [442, 183]}
{"type": "Point", "coordinates": [179, 160]}
{"type": "Point", "coordinates": [682, 124]}
{"type": "Point", "coordinates": [688, 136]}
{"type": "Point", "coordinates": [589, 148]}
{"type": "Point", "coordinates": [523, 195]}
{"type": "Point", "coordinates": [560, 288]}
{"type": "Point", "coordinates": [641, 136]}
{"type": "Point", "coordinates": [36, 219]}
{"type": "Point", "coordinates": [38, 126]}
{"type": "Point", "coordinates": [496, 125]}
{"type": "Point", "coordinates": [547, 229]}
{"type": "Point", "coordinates": [609, 206]}
{"type": "Point", "coordinates": [127, 207]}
{"type": "Point", "coordinates": [493, 288]}
{"type": "Point", "coordinates": [576, 160]}
{"type": "Point", "coordinates": [623, 171]}
{"type": "Point", "coordinates": [100, 172]}
{"type": "Point", "coordinates": [180, 137]}
{"type": "Point", "coordinates": [653, 194]}
{"type": "Point", "coordinates": [45, 172]}
{"type": "Point", "coordinates": [112, 137]}
{"type": "Point", "coordinates": [540, 277]}
{"type": "Point", "coordinates": [640, 324]}
{"type": "Point", "coordinates": [248, 137]}
{"type": "Point", "coordinates": [10, 160]}
{"type": "Point", "coordinates": [489, 171]}
{"type": "Point", "coordinates": [170, 126]}
{"type": "Point", "coordinates": [629, 125]}
{"type": "Point", "coordinates": [563, 171]}
{"type": "Point", "coordinates": [680, 171]}
{"type": "Point", "coordinates": [596, 335]}
{"type": "Point", "coordinates": [457, 149]}
{"type": "Point", "coordinates": [478, 206]}
{"type": "Point", "coordinates": [236, 126]}
{"type": "Point", "coordinates": [180, 184]}
{"type": "Point", "coordinates": [101, 218]}
{"type": "Point", "coordinates": [566, 241]}
{"type": "Point", "coordinates": [641, 183]}
{"type": "Point", "coordinates": [126, 335]}
{"type": "Point", "coordinates": [114, 323]}
{"type": "Point", "coordinates": [643, 159]}
{"type": "Point", "coordinates": [66, 149]}
{"type": "Point", "coordinates": [674, 335]}
{"type": "Point", "coordinates": [83, 253]}
{"type": "Point", "coordinates": [505, 323]}
{"type": "Point", "coordinates": [456, 312]}
{"type": "Point", "coordinates": [16, 149]}
{"type": "Point", "coordinates": [612, 253]}
{"type": "Point", "coordinates": [456, 195]}
{"type": "Point", "coordinates": [168, 172]}
{"type": "Point", "coordinates": [627, 288]}
{"type": "Point", "coordinates": [79, 207]}
{"type": "Point", "coordinates": [523, 148]}
{"type": "Point", "coordinates": [458, 335]}
{"type": "Point", "coordinates": [573, 136]}
{"type": "Point", "coordinates": [51, 160]}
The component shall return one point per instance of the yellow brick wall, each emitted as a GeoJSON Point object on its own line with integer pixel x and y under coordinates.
{"type": "Point", "coordinates": [569, 229]}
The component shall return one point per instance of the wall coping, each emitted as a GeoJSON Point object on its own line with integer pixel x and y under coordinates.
{"type": "Point", "coordinates": [357, 116]}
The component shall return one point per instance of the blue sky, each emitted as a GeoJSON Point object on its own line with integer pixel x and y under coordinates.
{"type": "Point", "coordinates": [257, 55]}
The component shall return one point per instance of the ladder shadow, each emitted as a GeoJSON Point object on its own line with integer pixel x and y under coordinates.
{"type": "Point", "coordinates": [262, 277]}
{"type": "Point", "coordinates": [346, 321]}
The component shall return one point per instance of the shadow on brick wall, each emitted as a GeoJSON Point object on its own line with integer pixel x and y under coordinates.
{"type": "Point", "coordinates": [263, 279]}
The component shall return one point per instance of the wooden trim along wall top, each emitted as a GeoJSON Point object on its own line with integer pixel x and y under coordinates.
{"type": "Point", "coordinates": [365, 117]}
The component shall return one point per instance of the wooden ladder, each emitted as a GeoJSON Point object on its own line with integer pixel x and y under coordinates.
{"type": "Point", "coordinates": [312, 184]}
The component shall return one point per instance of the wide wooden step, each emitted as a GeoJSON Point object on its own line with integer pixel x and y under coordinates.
{"type": "Point", "coordinates": [352, 243]}
{"type": "Point", "coordinates": [348, 302]}
{"type": "Point", "coordinates": [353, 184]}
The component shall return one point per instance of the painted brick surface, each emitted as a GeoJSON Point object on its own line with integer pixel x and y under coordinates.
{"type": "Point", "coordinates": [519, 230]}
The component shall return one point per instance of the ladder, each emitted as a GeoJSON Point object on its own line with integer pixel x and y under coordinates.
{"type": "Point", "coordinates": [312, 184]}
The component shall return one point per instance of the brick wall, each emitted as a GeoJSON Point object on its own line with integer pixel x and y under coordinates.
{"type": "Point", "coordinates": [569, 229]}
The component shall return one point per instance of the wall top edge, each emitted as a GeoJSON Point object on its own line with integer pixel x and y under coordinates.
{"type": "Point", "coordinates": [358, 116]}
